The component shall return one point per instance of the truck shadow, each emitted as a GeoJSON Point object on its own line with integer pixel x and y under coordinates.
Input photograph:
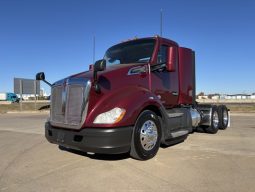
{"type": "Point", "coordinates": [44, 107]}
{"type": "Point", "coordinates": [96, 156]}
{"type": "Point", "coordinates": [200, 130]}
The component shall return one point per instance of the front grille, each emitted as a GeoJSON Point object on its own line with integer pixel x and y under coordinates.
{"type": "Point", "coordinates": [69, 103]}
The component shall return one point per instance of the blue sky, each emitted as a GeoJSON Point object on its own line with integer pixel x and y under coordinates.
{"type": "Point", "coordinates": [56, 36]}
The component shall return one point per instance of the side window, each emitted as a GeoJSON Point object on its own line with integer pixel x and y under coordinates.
{"type": "Point", "coordinates": [162, 54]}
{"type": "Point", "coordinates": [112, 61]}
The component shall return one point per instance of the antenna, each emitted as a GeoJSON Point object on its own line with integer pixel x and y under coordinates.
{"type": "Point", "coordinates": [161, 19]}
{"type": "Point", "coordinates": [94, 48]}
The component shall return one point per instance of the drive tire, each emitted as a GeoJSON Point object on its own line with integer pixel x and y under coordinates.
{"type": "Point", "coordinates": [214, 121]}
{"type": "Point", "coordinates": [146, 136]}
{"type": "Point", "coordinates": [223, 117]}
{"type": "Point", "coordinates": [62, 148]}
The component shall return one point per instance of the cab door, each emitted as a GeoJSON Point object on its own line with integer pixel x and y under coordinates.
{"type": "Point", "coordinates": [165, 84]}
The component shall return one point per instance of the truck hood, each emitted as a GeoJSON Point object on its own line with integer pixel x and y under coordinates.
{"type": "Point", "coordinates": [89, 74]}
{"type": "Point", "coordinates": [109, 70]}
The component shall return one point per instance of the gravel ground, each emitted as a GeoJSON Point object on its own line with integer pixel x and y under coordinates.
{"type": "Point", "coordinates": [203, 162]}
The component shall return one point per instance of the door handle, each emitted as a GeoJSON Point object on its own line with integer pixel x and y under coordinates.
{"type": "Point", "coordinates": [174, 93]}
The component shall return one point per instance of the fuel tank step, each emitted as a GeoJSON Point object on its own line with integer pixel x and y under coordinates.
{"type": "Point", "coordinates": [179, 133]}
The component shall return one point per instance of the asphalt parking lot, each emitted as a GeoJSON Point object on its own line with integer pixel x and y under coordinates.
{"type": "Point", "coordinates": [204, 162]}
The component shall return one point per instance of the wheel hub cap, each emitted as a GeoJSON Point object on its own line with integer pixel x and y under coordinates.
{"type": "Point", "coordinates": [225, 117]}
{"type": "Point", "coordinates": [215, 119]}
{"type": "Point", "coordinates": [148, 135]}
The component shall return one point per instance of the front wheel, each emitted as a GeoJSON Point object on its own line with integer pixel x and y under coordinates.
{"type": "Point", "coordinates": [146, 136]}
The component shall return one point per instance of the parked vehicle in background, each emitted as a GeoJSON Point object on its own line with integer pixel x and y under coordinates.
{"type": "Point", "coordinates": [9, 97]}
{"type": "Point", "coordinates": [139, 96]}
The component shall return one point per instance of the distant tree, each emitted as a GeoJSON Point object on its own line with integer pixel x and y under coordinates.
{"type": "Point", "coordinates": [201, 94]}
{"type": "Point", "coordinates": [210, 96]}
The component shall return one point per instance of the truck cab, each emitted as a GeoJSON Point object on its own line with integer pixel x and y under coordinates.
{"type": "Point", "coordinates": [11, 97]}
{"type": "Point", "coordinates": [139, 96]}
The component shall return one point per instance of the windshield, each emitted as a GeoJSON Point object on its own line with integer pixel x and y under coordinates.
{"type": "Point", "coordinates": [139, 51]}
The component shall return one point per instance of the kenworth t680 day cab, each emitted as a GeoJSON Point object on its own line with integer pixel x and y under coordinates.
{"type": "Point", "coordinates": [139, 96]}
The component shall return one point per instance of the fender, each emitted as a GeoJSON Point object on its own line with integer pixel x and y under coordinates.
{"type": "Point", "coordinates": [132, 98]}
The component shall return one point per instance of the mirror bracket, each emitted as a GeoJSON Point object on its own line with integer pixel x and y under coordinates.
{"type": "Point", "coordinates": [99, 66]}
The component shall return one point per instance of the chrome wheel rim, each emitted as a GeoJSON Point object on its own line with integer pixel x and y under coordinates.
{"type": "Point", "coordinates": [215, 119]}
{"type": "Point", "coordinates": [225, 117]}
{"type": "Point", "coordinates": [148, 135]}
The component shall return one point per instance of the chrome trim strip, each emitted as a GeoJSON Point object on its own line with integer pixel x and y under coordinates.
{"type": "Point", "coordinates": [64, 97]}
{"type": "Point", "coordinates": [85, 102]}
{"type": "Point", "coordinates": [137, 70]}
{"type": "Point", "coordinates": [175, 93]}
{"type": "Point", "coordinates": [173, 115]}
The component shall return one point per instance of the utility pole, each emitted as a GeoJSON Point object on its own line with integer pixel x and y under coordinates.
{"type": "Point", "coordinates": [35, 89]}
{"type": "Point", "coordinates": [94, 48]}
{"type": "Point", "coordinates": [20, 93]}
{"type": "Point", "coordinates": [161, 20]}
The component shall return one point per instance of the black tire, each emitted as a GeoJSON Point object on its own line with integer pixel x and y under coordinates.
{"type": "Point", "coordinates": [223, 117]}
{"type": "Point", "coordinates": [62, 148]}
{"type": "Point", "coordinates": [214, 121]}
{"type": "Point", "coordinates": [145, 143]}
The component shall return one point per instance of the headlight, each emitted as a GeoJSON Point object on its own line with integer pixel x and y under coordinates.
{"type": "Point", "coordinates": [110, 117]}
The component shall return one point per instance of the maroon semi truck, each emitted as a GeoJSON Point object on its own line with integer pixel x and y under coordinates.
{"type": "Point", "coordinates": [140, 96]}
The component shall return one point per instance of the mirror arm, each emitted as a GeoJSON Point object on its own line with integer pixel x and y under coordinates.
{"type": "Point", "coordinates": [47, 83]}
{"type": "Point", "coordinates": [95, 76]}
{"type": "Point", "coordinates": [41, 77]}
{"type": "Point", "coordinates": [96, 85]}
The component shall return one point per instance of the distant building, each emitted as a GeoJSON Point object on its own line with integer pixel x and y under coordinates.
{"type": "Point", "coordinates": [227, 96]}
{"type": "Point", "coordinates": [27, 96]}
{"type": "Point", "coordinates": [239, 96]}
{"type": "Point", "coordinates": [223, 96]}
{"type": "Point", "coordinates": [215, 97]}
{"type": "Point", "coordinates": [202, 97]}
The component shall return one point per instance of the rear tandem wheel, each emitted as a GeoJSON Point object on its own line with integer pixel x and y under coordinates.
{"type": "Point", "coordinates": [215, 121]}
{"type": "Point", "coordinates": [223, 117]}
